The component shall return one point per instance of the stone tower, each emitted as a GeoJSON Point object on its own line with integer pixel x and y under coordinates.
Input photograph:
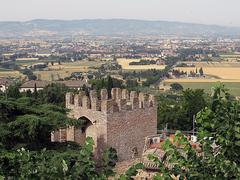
{"type": "Point", "coordinates": [121, 122]}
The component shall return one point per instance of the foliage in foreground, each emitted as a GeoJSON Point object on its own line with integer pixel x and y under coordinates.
{"type": "Point", "coordinates": [25, 123]}
{"type": "Point", "coordinates": [26, 150]}
{"type": "Point", "coordinates": [77, 164]}
{"type": "Point", "coordinates": [219, 137]}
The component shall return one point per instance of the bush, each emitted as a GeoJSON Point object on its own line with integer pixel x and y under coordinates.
{"type": "Point", "coordinates": [176, 87]}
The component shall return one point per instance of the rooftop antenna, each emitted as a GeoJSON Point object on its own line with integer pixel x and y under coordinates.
{"type": "Point", "coordinates": [166, 126]}
{"type": "Point", "coordinates": [193, 123]}
{"type": "Point", "coordinates": [72, 38]}
{"type": "Point", "coordinates": [164, 132]}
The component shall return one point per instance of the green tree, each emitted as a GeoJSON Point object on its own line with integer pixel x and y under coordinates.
{"type": "Point", "coordinates": [48, 164]}
{"type": "Point", "coordinates": [107, 83]}
{"type": "Point", "coordinates": [109, 86]}
{"type": "Point", "coordinates": [26, 150]}
{"type": "Point", "coordinates": [193, 101]}
{"type": "Point", "coordinates": [29, 74]}
{"type": "Point", "coordinates": [25, 123]}
{"type": "Point", "coordinates": [219, 138]}
{"type": "Point", "coordinates": [132, 171]}
{"type": "Point", "coordinates": [35, 92]}
{"type": "Point", "coordinates": [178, 110]}
{"type": "Point", "coordinates": [201, 71]}
{"type": "Point", "coordinates": [53, 93]}
{"type": "Point", "coordinates": [131, 83]}
{"type": "Point", "coordinates": [109, 161]}
{"type": "Point", "coordinates": [28, 93]}
{"type": "Point", "coordinates": [13, 91]}
{"type": "Point", "coordinates": [176, 87]}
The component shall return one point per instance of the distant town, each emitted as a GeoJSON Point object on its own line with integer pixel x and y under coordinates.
{"type": "Point", "coordinates": [175, 60]}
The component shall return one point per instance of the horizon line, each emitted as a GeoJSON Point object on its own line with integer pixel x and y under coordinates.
{"type": "Point", "coordinates": [130, 19]}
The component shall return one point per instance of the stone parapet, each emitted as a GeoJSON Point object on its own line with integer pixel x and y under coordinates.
{"type": "Point", "coordinates": [122, 100]}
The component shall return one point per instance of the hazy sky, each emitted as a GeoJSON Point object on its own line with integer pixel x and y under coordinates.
{"type": "Point", "coordinates": [223, 12]}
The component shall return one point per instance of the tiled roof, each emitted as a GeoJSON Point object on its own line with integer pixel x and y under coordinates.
{"type": "Point", "coordinates": [39, 84]}
{"type": "Point", "coordinates": [5, 81]}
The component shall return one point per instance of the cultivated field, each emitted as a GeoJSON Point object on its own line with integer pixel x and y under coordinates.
{"type": "Point", "coordinates": [234, 87]}
{"type": "Point", "coordinates": [200, 80]}
{"type": "Point", "coordinates": [66, 69]}
{"type": "Point", "coordinates": [27, 59]}
{"type": "Point", "coordinates": [227, 73]}
{"type": "Point", "coordinates": [52, 75]}
{"type": "Point", "coordinates": [125, 65]}
{"type": "Point", "coordinates": [222, 70]}
{"type": "Point", "coordinates": [230, 55]}
{"type": "Point", "coordinates": [213, 64]}
{"type": "Point", "coordinates": [26, 63]}
{"type": "Point", "coordinates": [15, 74]}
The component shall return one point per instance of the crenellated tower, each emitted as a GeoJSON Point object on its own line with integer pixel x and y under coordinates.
{"type": "Point", "coordinates": [121, 122]}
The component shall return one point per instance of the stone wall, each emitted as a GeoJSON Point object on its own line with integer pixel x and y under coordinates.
{"type": "Point", "coordinates": [128, 127]}
{"type": "Point", "coordinates": [121, 122]}
{"type": "Point", "coordinates": [126, 132]}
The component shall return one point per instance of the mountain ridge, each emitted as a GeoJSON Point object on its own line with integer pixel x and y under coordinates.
{"type": "Point", "coordinates": [114, 27]}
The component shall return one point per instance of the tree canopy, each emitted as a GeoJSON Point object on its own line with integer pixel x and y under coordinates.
{"type": "Point", "coordinates": [178, 111]}
{"type": "Point", "coordinates": [219, 138]}
{"type": "Point", "coordinates": [26, 150]}
{"type": "Point", "coordinates": [176, 86]}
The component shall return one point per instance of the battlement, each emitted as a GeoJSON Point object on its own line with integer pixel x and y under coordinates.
{"type": "Point", "coordinates": [122, 100]}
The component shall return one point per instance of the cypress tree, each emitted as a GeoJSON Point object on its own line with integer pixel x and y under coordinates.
{"type": "Point", "coordinates": [201, 71]}
{"type": "Point", "coordinates": [35, 93]}
{"type": "Point", "coordinates": [109, 86]}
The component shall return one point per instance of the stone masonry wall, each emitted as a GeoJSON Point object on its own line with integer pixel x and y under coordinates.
{"type": "Point", "coordinates": [121, 122]}
{"type": "Point", "coordinates": [126, 131]}
{"type": "Point", "coordinates": [128, 127]}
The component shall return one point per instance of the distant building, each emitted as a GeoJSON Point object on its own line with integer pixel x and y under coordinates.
{"type": "Point", "coordinates": [154, 146]}
{"type": "Point", "coordinates": [72, 84]}
{"type": "Point", "coordinates": [168, 52]}
{"type": "Point", "coordinates": [163, 87]}
{"type": "Point", "coordinates": [238, 98]}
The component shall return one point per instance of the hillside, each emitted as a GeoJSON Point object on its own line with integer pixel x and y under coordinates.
{"type": "Point", "coordinates": [112, 27]}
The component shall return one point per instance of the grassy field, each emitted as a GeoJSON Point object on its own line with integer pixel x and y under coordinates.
{"type": "Point", "coordinates": [230, 73]}
{"type": "Point", "coordinates": [51, 75]}
{"type": "Point", "coordinates": [200, 80]}
{"type": "Point", "coordinates": [15, 74]}
{"type": "Point", "coordinates": [213, 64]}
{"type": "Point", "coordinates": [53, 72]}
{"type": "Point", "coordinates": [66, 69]}
{"type": "Point", "coordinates": [234, 87]}
{"type": "Point", "coordinates": [125, 65]}
{"type": "Point", "coordinates": [27, 59]}
{"type": "Point", "coordinates": [227, 73]}
{"type": "Point", "coordinates": [230, 55]}
{"type": "Point", "coordinates": [223, 70]}
{"type": "Point", "coordinates": [29, 62]}
{"type": "Point", "coordinates": [78, 64]}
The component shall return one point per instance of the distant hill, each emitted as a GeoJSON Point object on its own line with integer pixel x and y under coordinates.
{"type": "Point", "coordinates": [112, 27]}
